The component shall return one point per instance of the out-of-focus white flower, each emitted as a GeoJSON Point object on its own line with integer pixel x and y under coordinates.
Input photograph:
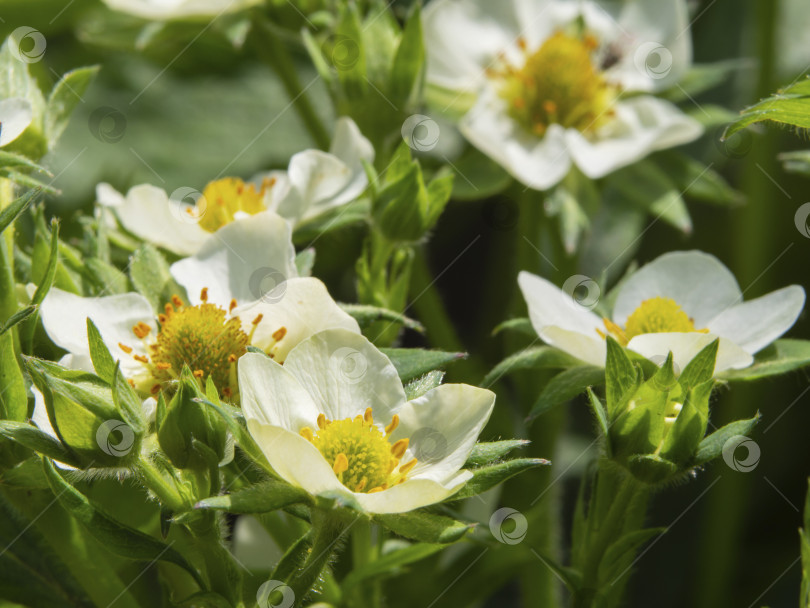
{"type": "Point", "coordinates": [167, 10]}
{"type": "Point", "coordinates": [556, 83]}
{"type": "Point", "coordinates": [678, 303]}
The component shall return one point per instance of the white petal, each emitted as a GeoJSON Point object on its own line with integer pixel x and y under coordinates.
{"type": "Point", "coordinates": [64, 317]}
{"type": "Point", "coordinates": [698, 282]}
{"type": "Point", "coordinates": [536, 162]}
{"type": "Point", "coordinates": [443, 425]}
{"type": "Point", "coordinates": [753, 325]}
{"type": "Point", "coordinates": [302, 306]}
{"type": "Point", "coordinates": [589, 348]}
{"type": "Point", "coordinates": [349, 145]}
{"type": "Point", "coordinates": [641, 125]}
{"type": "Point", "coordinates": [295, 459]}
{"type": "Point", "coordinates": [345, 374]}
{"type": "Point", "coordinates": [270, 395]}
{"type": "Point", "coordinates": [411, 494]}
{"type": "Point", "coordinates": [107, 196]}
{"type": "Point", "coordinates": [656, 48]}
{"type": "Point", "coordinates": [165, 10]}
{"type": "Point", "coordinates": [147, 212]}
{"type": "Point", "coordinates": [462, 37]}
{"type": "Point", "coordinates": [684, 346]}
{"type": "Point", "coordinates": [15, 116]}
{"type": "Point", "coordinates": [551, 306]}
{"type": "Point", "coordinates": [243, 260]}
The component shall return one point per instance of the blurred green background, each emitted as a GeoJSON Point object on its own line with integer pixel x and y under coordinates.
{"type": "Point", "coordinates": [191, 108]}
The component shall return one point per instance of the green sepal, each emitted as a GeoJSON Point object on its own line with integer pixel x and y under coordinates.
{"type": "Point", "coordinates": [781, 357]}
{"type": "Point", "coordinates": [414, 362]}
{"type": "Point", "coordinates": [258, 498]}
{"type": "Point", "coordinates": [32, 438]}
{"type": "Point", "coordinates": [489, 476]}
{"type": "Point", "coordinates": [533, 357]}
{"type": "Point", "coordinates": [565, 386]}
{"type": "Point", "coordinates": [424, 527]}
{"type": "Point", "coordinates": [423, 384]}
{"type": "Point", "coordinates": [486, 452]}
{"type": "Point", "coordinates": [712, 446]}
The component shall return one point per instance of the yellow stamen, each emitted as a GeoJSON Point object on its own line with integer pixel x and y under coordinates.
{"type": "Point", "coordinates": [368, 416]}
{"type": "Point", "coordinates": [341, 464]}
{"type": "Point", "coordinates": [125, 348]}
{"type": "Point", "coordinates": [394, 424]}
{"type": "Point", "coordinates": [279, 333]}
{"type": "Point", "coordinates": [204, 294]}
{"type": "Point", "coordinates": [398, 449]}
{"type": "Point", "coordinates": [306, 433]}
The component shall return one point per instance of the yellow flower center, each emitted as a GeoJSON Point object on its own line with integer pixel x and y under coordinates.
{"type": "Point", "coordinates": [362, 456]}
{"type": "Point", "coordinates": [224, 198]}
{"type": "Point", "coordinates": [557, 84]}
{"type": "Point", "coordinates": [653, 316]}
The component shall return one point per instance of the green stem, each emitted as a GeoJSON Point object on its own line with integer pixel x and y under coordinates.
{"type": "Point", "coordinates": [222, 571]}
{"type": "Point", "coordinates": [364, 551]}
{"type": "Point", "coordinates": [327, 530]}
{"type": "Point", "coordinates": [168, 493]}
{"type": "Point", "coordinates": [275, 53]}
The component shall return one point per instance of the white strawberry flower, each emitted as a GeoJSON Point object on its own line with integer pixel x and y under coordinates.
{"type": "Point", "coordinates": [315, 182]}
{"type": "Point", "coordinates": [335, 421]}
{"type": "Point", "coordinates": [678, 303]}
{"type": "Point", "coordinates": [243, 290]}
{"type": "Point", "coordinates": [551, 84]}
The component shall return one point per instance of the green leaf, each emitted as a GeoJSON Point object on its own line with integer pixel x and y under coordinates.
{"type": "Point", "coordinates": [789, 106]}
{"type": "Point", "coordinates": [65, 96]}
{"type": "Point", "coordinates": [533, 357]}
{"type": "Point", "coordinates": [351, 68]}
{"type": "Point", "coordinates": [205, 599]}
{"type": "Point", "coordinates": [781, 357]}
{"type": "Point", "coordinates": [151, 277]}
{"type": "Point", "coordinates": [797, 162]}
{"type": "Point", "coordinates": [12, 159]}
{"type": "Point", "coordinates": [696, 180]}
{"type": "Point", "coordinates": [712, 446]}
{"type": "Point", "coordinates": [565, 386]}
{"type": "Point", "coordinates": [488, 476]}
{"type": "Point", "coordinates": [30, 573]}
{"type": "Point", "coordinates": [414, 362]}
{"type": "Point", "coordinates": [100, 355]}
{"type": "Point", "coordinates": [651, 188]}
{"type": "Point", "coordinates": [304, 261]}
{"type": "Point", "coordinates": [522, 326]}
{"type": "Point", "coordinates": [106, 278]}
{"type": "Point", "coordinates": [259, 498]}
{"type": "Point", "coordinates": [25, 180]}
{"type": "Point", "coordinates": [486, 452]}
{"type": "Point", "coordinates": [18, 317]}
{"type": "Point", "coordinates": [570, 577]}
{"type": "Point", "coordinates": [409, 59]}
{"type": "Point", "coordinates": [424, 527]}
{"type": "Point", "coordinates": [366, 315]}
{"type": "Point", "coordinates": [417, 388]}
{"type": "Point", "coordinates": [390, 563]}
{"type": "Point", "coordinates": [127, 402]}
{"type": "Point", "coordinates": [34, 439]}
{"type": "Point", "coordinates": [44, 286]}
{"type": "Point", "coordinates": [13, 211]}
{"type": "Point", "coordinates": [116, 537]}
